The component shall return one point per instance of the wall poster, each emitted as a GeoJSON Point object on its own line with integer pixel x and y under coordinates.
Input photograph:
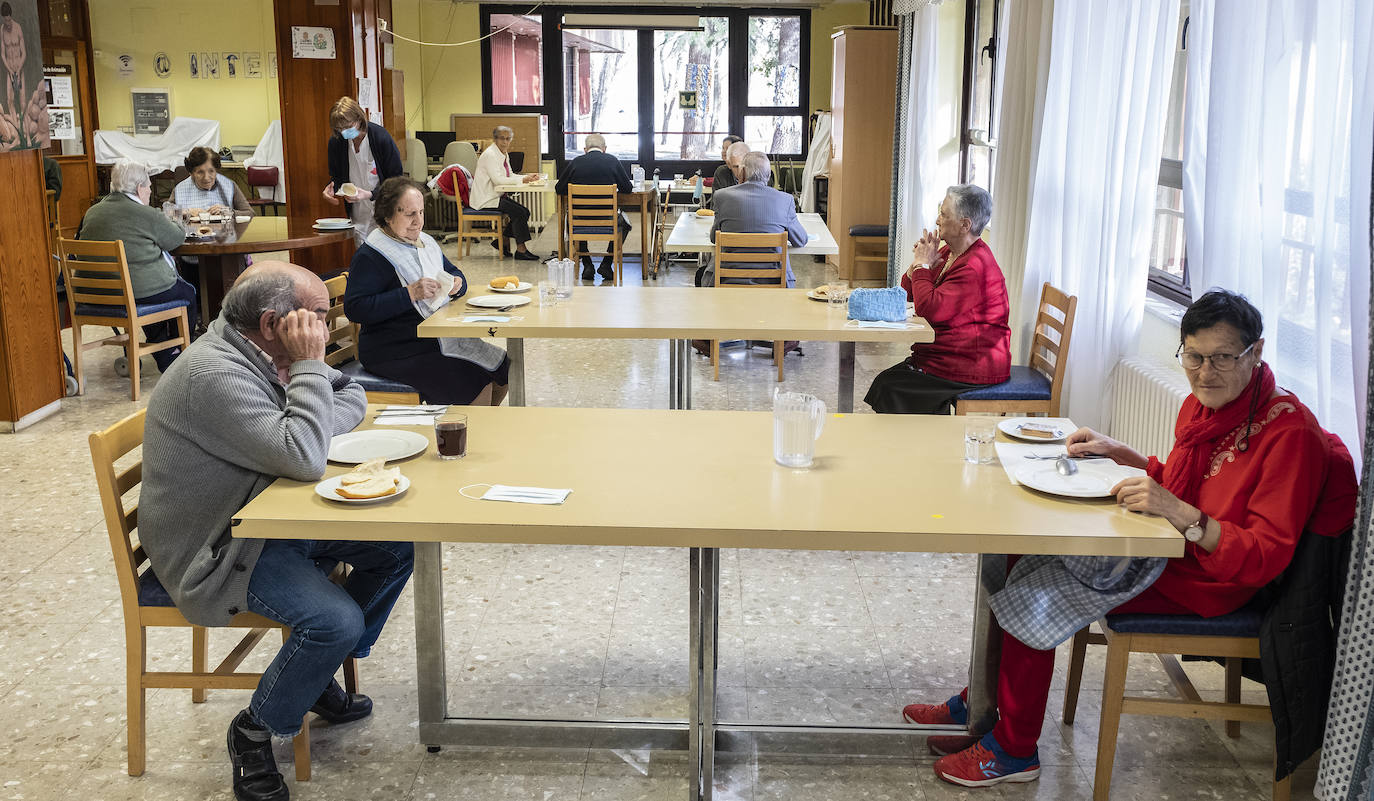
{"type": "Point", "coordinates": [312, 42]}
{"type": "Point", "coordinates": [23, 102]}
{"type": "Point", "coordinates": [252, 64]}
{"type": "Point", "coordinates": [61, 101]}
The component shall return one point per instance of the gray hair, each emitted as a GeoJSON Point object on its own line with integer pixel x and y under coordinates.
{"type": "Point", "coordinates": [500, 129]}
{"type": "Point", "coordinates": [594, 141]}
{"type": "Point", "coordinates": [756, 167]}
{"type": "Point", "coordinates": [254, 294]}
{"type": "Point", "coordinates": [128, 176]}
{"type": "Point", "coordinates": [973, 202]}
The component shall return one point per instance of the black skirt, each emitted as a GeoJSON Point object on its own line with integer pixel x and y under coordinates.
{"type": "Point", "coordinates": [904, 389]}
{"type": "Point", "coordinates": [442, 379]}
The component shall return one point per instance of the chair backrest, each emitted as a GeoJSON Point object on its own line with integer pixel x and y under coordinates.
{"type": "Point", "coordinates": [265, 178]}
{"type": "Point", "coordinates": [765, 255]}
{"type": "Point", "coordinates": [340, 328]}
{"type": "Point", "coordinates": [416, 163]}
{"type": "Point", "coordinates": [1050, 345]}
{"type": "Point", "coordinates": [96, 272]}
{"type": "Point", "coordinates": [592, 206]}
{"type": "Point", "coordinates": [461, 153]}
{"type": "Point", "coordinates": [108, 447]}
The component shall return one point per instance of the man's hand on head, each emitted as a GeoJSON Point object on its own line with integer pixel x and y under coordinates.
{"type": "Point", "coordinates": [303, 335]}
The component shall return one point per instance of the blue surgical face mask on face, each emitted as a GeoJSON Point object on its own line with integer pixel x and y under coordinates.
{"type": "Point", "coordinates": [349, 133]}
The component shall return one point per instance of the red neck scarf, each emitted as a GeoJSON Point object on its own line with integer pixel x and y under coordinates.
{"type": "Point", "coordinates": [1195, 437]}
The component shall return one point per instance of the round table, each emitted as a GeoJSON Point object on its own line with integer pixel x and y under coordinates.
{"type": "Point", "coordinates": [218, 254]}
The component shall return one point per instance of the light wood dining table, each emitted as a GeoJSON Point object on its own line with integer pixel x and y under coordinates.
{"type": "Point", "coordinates": [626, 469]}
{"type": "Point", "coordinates": [678, 314]}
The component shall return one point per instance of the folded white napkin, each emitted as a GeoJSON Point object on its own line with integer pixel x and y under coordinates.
{"type": "Point", "coordinates": [421, 415]}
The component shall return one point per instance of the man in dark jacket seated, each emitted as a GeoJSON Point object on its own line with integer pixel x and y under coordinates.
{"type": "Point", "coordinates": [596, 167]}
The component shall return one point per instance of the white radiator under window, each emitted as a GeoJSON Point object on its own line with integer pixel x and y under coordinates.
{"type": "Point", "coordinates": [1146, 399]}
{"type": "Point", "coordinates": [536, 203]}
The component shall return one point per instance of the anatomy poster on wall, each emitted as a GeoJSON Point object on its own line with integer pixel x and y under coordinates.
{"type": "Point", "coordinates": [23, 101]}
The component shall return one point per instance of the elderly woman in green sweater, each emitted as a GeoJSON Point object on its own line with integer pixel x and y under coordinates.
{"type": "Point", "coordinates": [148, 235]}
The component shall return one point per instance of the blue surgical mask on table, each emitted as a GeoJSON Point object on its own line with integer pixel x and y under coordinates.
{"type": "Point", "coordinates": [349, 133]}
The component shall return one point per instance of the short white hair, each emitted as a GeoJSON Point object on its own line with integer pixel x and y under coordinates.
{"type": "Point", "coordinates": [128, 176]}
{"type": "Point", "coordinates": [972, 202]}
{"type": "Point", "coordinates": [756, 167]}
{"type": "Point", "coordinates": [596, 141]}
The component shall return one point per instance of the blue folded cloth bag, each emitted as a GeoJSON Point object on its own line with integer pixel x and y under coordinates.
{"type": "Point", "coordinates": [885, 305]}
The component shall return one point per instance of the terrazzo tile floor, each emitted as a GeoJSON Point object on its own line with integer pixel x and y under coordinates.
{"type": "Point", "coordinates": [555, 631]}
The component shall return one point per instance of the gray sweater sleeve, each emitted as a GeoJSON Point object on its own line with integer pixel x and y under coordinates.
{"type": "Point", "coordinates": [249, 430]}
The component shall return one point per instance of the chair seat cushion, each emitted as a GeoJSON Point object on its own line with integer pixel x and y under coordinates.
{"type": "Point", "coordinates": [591, 229]}
{"type": "Point", "coordinates": [868, 230]}
{"type": "Point", "coordinates": [1025, 384]}
{"type": "Point", "coordinates": [93, 310]}
{"type": "Point", "coordinates": [151, 592]}
{"type": "Point", "coordinates": [471, 212]}
{"type": "Point", "coordinates": [1244, 622]}
{"type": "Point", "coordinates": [370, 382]}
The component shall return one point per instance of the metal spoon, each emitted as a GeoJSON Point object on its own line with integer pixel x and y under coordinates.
{"type": "Point", "coordinates": [1064, 466]}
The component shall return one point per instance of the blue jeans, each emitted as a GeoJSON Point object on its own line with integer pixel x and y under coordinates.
{"type": "Point", "coordinates": [328, 622]}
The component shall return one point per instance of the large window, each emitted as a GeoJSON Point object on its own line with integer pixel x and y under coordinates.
{"type": "Point", "coordinates": [1168, 257]}
{"type": "Point", "coordinates": [663, 89]}
{"type": "Point", "coordinates": [516, 63]}
{"type": "Point", "coordinates": [601, 90]}
{"type": "Point", "coordinates": [692, 91]}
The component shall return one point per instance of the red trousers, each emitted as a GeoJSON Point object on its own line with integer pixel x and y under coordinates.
{"type": "Point", "coordinates": [1024, 676]}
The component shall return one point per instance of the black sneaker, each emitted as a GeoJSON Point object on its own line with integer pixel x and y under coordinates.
{"type": "Point", "coordinates": [606, 270]}
{"type": "Point", "coordinates": [525, 255]}
{"type": "Point", "coordinates": [256, 777]}
{"type": "Point", "coordinates": [588, 271]}
{"type": "Point", "coordinates": [337, 706]}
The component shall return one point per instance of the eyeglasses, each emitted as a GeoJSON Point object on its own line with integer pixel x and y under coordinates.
{"type": "Point", "coordinates": [1221, 362]}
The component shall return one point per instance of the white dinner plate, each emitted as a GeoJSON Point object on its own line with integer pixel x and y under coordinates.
{"type": "Point", "coordinates": [1094, 479]}
{"type": "Point", "coordinates": [525, 286]}
{"type": "Point", "coordinates": [326, 489]}
{"type": "Point", "coordinates": [497, 301]}
{"type": "Point", "coordinates": [332, 227]}
{"type": "Point", "coordinates": [357, 447]}
{"type": "Point", "coordinates": [1011, 426]}
{"type": "Point", "coordinates": [333, 222]}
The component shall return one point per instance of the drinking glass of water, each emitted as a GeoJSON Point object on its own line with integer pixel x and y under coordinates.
{"type": "Point", "coordinates": [979, 433]}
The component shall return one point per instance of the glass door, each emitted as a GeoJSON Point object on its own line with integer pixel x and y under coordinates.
{"type": "Point", "coordinates": [601, 90]}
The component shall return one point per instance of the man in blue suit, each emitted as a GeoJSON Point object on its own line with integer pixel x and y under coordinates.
{"type": "Point", "coordinates": [596, 167]}
{"type": "Point", "coordinates": [751, 207]}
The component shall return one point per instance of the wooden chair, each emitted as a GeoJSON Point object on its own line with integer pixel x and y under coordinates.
{"type": "Point", "coordinates": [766, 257]}
{"type": "Point", "coordinates": [467, 234]}
{"type": "Point", "coordinates": [99, 293]}
{"type": "Point", "coordinates": [1035, 389]}
{"type": "Point", "coordinates": [1229, 638]}
{"type": "Point", "coordinates": [594, 216]}
{"type": "Point", "coordinates": [146, 604]}
{"type": "Point", "coordinates": [342, 351]}
{"type": "Point", "coordinates": [867, 244]}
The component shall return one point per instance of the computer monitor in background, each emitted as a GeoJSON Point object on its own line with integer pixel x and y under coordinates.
{"type": "Point", "coordinates": [435, 142]}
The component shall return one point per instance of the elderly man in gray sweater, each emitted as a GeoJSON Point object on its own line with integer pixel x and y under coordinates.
{"type": "Point", "coordinates": [253, 400]}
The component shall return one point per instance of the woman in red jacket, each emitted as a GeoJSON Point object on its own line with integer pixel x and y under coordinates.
{"type": "Point", "coordinates": [1250, 472]}
{"type": "Point", "coordinates": [960, 291]}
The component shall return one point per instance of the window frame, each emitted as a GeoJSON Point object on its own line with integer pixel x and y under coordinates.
{"type": "Point", "coordinates": [737, 66]}
{"type": "Point", "coordinates": [1163, 284]}
{"type": "Point", "coordinates": [973, 52]}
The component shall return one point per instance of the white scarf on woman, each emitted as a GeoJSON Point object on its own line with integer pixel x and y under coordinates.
{"type": "Point", "coordinates": [425, 260]}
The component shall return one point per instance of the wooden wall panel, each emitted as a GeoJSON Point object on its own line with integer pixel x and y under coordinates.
{"type": "Point", "coordinates": [308, 87]}
{"type": "Point", "coordinates": [30, 350]}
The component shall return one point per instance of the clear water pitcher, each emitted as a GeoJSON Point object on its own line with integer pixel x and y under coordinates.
{"type": "Point", "coordinates": [797, 422]}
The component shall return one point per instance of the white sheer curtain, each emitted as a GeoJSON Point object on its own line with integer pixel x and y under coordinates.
{"type": "Point", "coordinates": [1088, 180]}
{"type": "Point", "coordinates": [1268, 201]}
{"type": "Point", "coordinates": [917, 189]}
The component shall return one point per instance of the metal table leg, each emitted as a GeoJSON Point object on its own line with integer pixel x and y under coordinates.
{"type": "Point", "coordinates": [429, 635]}
{"type": "Point", "coordinates": [985, 653]}
{"type": "Point", "coordinates": [694, 675]}
{"type": "Point", "coordinates": [679, 374]}
{"type": "Point", "coordinates": [710, 638]}
{"type": "Point", "coordinates": [515, 349]}
{"type": "Point", "coordinates": [846, 404]}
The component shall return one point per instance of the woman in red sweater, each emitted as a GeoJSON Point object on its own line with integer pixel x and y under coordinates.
{"type": "Point", "coordinates": [960, 291]}
{"type": "Point", "coordinates": [1250, 472]}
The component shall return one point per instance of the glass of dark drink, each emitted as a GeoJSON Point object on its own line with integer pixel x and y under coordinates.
{"type": "Point", "coordinates": [451, 435]}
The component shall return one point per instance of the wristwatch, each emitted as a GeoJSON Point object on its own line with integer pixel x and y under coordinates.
{"type": "Point", "coordinates": [1198, 530]}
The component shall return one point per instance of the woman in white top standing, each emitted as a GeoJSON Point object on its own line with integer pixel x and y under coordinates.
{"type": "Point", "coordinates": [363, 154]}
{"type": "Point", "coordinates": [490, 185]}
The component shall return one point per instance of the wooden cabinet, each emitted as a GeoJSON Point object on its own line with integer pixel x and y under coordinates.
{"type": "Point", "coordinates": [863, 95]}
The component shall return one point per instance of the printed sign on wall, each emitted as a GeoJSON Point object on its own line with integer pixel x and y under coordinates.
{"type": "Point", "coordinates": [152, 110]}
{"type": "Point", "coordinates": [308, 41]}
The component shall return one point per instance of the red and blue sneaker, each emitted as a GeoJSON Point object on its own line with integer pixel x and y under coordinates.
{"type": "Point", "coordinates": [985, 764]}
{"type": "Point", "coordinates": [953, 711]}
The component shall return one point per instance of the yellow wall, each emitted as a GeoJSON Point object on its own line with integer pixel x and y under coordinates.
{"type": "Point", "coordinates": [439, 80]}
{"type": "Point", "coordinates": [824, 21]}
{"type": "Point", "coordinates": [141, 28]}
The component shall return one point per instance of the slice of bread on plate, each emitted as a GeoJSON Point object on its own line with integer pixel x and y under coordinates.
{"type": "Point", "coordinates": [369, 470]}
{"type": "Point", "coordinates": [375, 487]}
{"type": "Point", "coordinates": [1041, 430]}
{"type": "Point", "coordinates": [505, 282]}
